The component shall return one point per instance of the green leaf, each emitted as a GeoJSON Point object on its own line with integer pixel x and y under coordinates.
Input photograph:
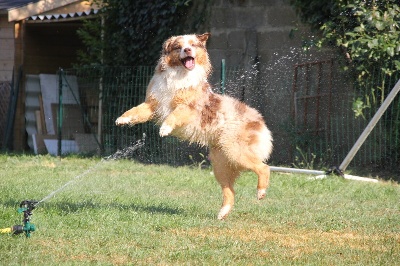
{"type": "Point", "coordinates": [390, 51]}
{"type": "Point", "coordinates": [358, 107]}
{"type": "Point", "coordinates": [373, 43]}
{"type": "Point", "coordinates": [397, 64]}
{"type": "Point", "coordinates": [379, 25]}
{"type": "Point", "coordinates": [359, 29]}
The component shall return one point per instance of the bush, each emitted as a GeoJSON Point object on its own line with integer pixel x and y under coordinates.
{"type": "Point", "coordinates": [366, 33]}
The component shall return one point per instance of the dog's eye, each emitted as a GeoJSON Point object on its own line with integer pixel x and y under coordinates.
{"type": "Point", "coordinates": [196, 45]}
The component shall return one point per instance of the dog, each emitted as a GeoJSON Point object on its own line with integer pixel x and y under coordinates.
{"type": "Point", "coordinates": [180, 99]}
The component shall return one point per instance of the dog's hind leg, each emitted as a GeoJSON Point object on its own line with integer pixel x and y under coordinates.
{"type": "Point", "coordinates": [263, 173]}
{"type": "Point", "coordinates": [248, 160]}
{"type": "Point", "coordinates": [226, 176]}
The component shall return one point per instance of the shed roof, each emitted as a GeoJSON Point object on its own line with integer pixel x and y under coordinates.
{"type": "Point", "coordinates": [23, 9]}
{"type": "Point", "coordinates": [8, 4]}
{"type": "Point", "coordinates": [60, 17]}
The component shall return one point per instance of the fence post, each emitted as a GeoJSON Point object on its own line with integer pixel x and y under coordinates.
{"type": "Point", "coordinates": [100, 117]}
{"type": "Point", "coordinates": [223, 76]}
{"type": "Point", "coordinates": [60, 110]}
{"type": "Point", "coordinates": [12, 107]}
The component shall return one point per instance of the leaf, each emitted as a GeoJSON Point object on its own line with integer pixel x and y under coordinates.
{"type": "Point", "coordinates": [359, 29]}
{"type": "Point", "coordinates": [358, 13]}
{"type": "Point", "coordinates": [390, 51]}
{"type": "Point", "coordinates": [358, 107]}
{"type": "Point", "coordinates": [373, 43]}
{"type": "Point", "coordinates": [379, 25]}
{"type": "Point", "coordinates": [397, 64]}
{"type": "Point", "coordinates": [351, 34]}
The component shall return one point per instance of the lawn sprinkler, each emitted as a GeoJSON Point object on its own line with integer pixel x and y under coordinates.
{"type": "Point", "coordinates": [26, 207]}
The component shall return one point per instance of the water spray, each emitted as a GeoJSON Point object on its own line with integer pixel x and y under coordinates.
{"type": "Point", "coordinates": [27, 206]}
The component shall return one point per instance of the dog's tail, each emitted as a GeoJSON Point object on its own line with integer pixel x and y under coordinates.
{"type": "Point", "coordinates": [265, 144]}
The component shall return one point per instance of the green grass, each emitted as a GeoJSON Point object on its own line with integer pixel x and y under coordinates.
{"type": "Point", "coordinates": [126, 213]}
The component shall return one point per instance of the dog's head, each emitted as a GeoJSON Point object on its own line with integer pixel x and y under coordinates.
{"type": "Point", "coordinates": [186, 51]}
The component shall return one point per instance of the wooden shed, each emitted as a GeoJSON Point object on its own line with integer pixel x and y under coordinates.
{"type": "Point", "coordinates": [36, 37]}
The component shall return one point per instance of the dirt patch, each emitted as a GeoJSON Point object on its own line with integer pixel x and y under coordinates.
{"type": "Point", "coordinates": [299, 240]}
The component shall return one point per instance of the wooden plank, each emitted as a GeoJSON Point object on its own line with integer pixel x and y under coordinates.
{"type": "Point", "coordinates": [41, 109]}
{"type": "Point", "coordinates": [86, 143]}
{"type": "Point", "coordinates": [6, 33]}
{"type": "Point", "coordinates": [5, 75]}
{"type": "Point", "coordinates": [35, 8]}
{"type": "Point", "coordinates": [19, 132]}
{"type": "Point", "coordinates": [6, 64]}
{"type": "Point", "coordinates": [72, 122]}
{"type": "Point", "coordinates": [77, 6]}
{"type": "Point", "coordinates": [39, 122]}
{"type": "Point", "coordinates": [7, 54]}
{"type": "Point", "coordinates": [7, 43]}
{"type": "Point", "coordinates": [38, 143]}
{"type": "Point", "coordinates": [4, 22]}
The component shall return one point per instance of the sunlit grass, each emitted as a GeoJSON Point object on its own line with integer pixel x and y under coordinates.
{"type": "Point", "coordinates": [125, 213]}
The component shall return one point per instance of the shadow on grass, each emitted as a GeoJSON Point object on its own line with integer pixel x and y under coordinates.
{"type": "Point", "coordinates": [71, 207]}
{"type": "Point", "coordinates": [68, 207]}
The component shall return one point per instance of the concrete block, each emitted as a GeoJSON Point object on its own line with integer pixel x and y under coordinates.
{"type": "Point", "coordinates": [237, 39]}
{"type": "Point", "coordinates": [218, 41]}
{"type": "Point", "coordinates": [232, 3]}
{"type": "Point", "coordinates": [217, 3]}
{"type": "Point", "coordinates": [281, 16]}
{"type": "Point", "coordinates": [276, 40]}
{"type": "Point", "coordinates": [234, 57]}
{"type": "Point", "coordinates": [221, 18]}
{"type": "Point", "coordinates": [265, 3]}
{"type": "Point", "coordinates": [216, 55]}
{"type": "Point", "coordinates": [250, 18]}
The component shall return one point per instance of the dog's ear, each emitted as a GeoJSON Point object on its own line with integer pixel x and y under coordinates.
{"type": "Point", "coordinates": [162, 65]}
{"type": "Point", "coordinates": [166, 48]}
{"type": "Point", "coordinates": [203, 38]}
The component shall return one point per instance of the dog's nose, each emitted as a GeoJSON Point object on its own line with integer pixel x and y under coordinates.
{"type": "Point", "coordinates": [187, 50]}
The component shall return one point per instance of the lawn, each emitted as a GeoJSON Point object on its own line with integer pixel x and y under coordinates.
{"type": "Point", "coordinates": [127, 213]}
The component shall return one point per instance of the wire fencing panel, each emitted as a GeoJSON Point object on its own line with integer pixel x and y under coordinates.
{"type": "Point", "coordinates": [107, 92]}
{"type": "Point", "coordinates": [381, 149]}
{"type": "Point", "coordinates": [314, 125]}
{"type": "Point", "coordinates": [340, 127]}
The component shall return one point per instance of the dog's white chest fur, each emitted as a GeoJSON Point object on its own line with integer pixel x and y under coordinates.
{"type": "Point", "coordinates": [166, 83]}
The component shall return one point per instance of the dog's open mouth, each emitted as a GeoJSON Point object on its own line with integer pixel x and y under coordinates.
{"type": "Point", "coordinates": [188, 62]}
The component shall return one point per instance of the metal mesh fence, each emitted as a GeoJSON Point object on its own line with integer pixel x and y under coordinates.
{"type": "Point", "coordinates": [312, 129]}
{"type": "Point", "coordinates": [382, 147]}
{"type": "Point", "coordinates": [329, 141]}
{"type": "Point", "coordinates": [106, 93]}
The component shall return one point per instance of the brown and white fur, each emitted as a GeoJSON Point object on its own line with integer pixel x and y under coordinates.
{"type": "Point", "coordinates": [180, 99]}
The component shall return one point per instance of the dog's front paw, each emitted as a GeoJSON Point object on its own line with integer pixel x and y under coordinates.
{"type": "Point", "coordinates": [165, 130]}
{"type": "Point", "coordinates": [123, 121]}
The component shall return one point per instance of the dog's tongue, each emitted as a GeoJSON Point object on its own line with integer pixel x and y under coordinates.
{"type": "Point", "coordinates": [189, 62]}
